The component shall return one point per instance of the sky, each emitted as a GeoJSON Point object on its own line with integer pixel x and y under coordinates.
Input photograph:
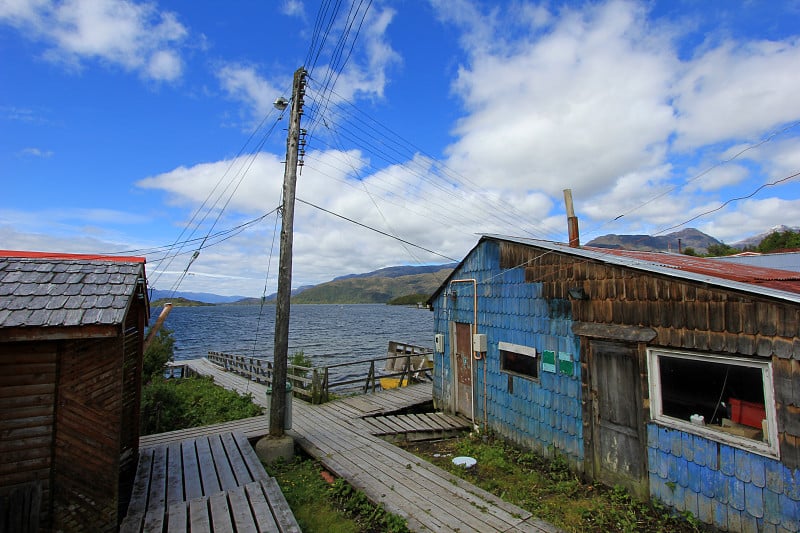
{"type": "Point", "coordinates": [147, 128]}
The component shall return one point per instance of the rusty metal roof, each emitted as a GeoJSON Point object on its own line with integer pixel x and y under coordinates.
{"type": "Point", "coordinates": [44, 290]}
{"type": "Point", "coordinates": [784, 280]}
{"type": "Point", "coordinates": [781, 284]}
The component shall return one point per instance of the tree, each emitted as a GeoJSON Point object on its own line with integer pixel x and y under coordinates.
{"type": "Point", "coordinates": [779, 240]}
{"type": "Point", "coordinates": [690, 251]}
{"type": "Point", "coordinates": [720, 250]}
{"type": "Point", "coordinates": [160, 352]}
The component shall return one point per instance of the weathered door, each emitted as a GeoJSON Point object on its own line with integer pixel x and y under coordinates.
{"type": "Point", "coordinates": [617, 429]}
{"type": "Point", "coordinates": [463, 374]}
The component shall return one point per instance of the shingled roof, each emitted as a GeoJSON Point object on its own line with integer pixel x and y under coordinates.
{"type": "Point", "coordinates": [41, 290]}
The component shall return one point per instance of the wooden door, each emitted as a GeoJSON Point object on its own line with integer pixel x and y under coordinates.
{"type": "Point", "coordinates": [619, 453]}
{"type": "Point", "coordinates": [463, 374]}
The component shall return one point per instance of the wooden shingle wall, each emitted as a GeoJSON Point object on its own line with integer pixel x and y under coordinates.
{"type": "Point", "coordinates": [684, 314]}
{"type": "Point", "coordinates": [27, 399]}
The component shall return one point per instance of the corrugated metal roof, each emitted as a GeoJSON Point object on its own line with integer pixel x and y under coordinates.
{"type": "Point", "coordinates": [66, 290]}
{"type": "Point", "coordinates": [781, 284]}
{"type": "Point", "coordinates": [784, 280]}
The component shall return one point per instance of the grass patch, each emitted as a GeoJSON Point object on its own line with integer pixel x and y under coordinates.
{"type": "Point", "coordinates": [173, 404]}
{"type": "Point", "coordinates": [548, 489]}
{"type": "Point", "coordinates": [323, 507]}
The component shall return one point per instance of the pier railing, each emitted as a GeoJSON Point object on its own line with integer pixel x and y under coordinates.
{"type": "Point", "coordinates": [403, 363]}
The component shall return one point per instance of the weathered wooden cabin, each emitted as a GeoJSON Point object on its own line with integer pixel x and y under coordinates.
{"type": "Point", "coordinates": [676, 377]}
{"type": "Point", "coordinates": [71, 333]}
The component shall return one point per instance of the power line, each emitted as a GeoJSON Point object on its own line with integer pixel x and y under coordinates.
{"type": "Point", "coordinates": [726, 202]}
{"type": "Point", "coordinates": [376, 230]}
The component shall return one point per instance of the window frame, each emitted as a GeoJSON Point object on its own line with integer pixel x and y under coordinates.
{"type": "Point", "coordinates": [770, 448]}
{"type": "Point", "coordinates": [519, 349]}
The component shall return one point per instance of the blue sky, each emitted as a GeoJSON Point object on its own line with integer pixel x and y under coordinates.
{"type": "Point", "coordinates": [129, 126]}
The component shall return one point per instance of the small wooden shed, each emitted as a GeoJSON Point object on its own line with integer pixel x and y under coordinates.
{"type": "Point", "coordinates": [71, 334]}
{"type": "Point", "coordinates": [676, 377]}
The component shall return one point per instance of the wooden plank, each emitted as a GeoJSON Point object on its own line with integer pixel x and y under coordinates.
{"type": "Point", "coordinates": [199, 516]}
{"type": "Point", "coordinates": [283, 514]}
{"type": "Point", "coordinates": [158, 478]}
{"type": "Point", "coordinates": [208, 469]}
{"type": "Point", "coordinates": [239, 468]}
{"type": "Point", "coordinates": [141, 483]}
{"type": "Point", "coordinates": [220, 512]}
{"type": "Point", "coordinates": [133, 523]}
{"type": "Point", "coordinates": [262, 514]}
{"type": "Point", "coordinates": [426, 496]}
{"type": "Point", "coordinates": [193, 487]}
{"type": "Point", "coordinates": [252, 461]}
{"type": "Point", "coordinates": [227, 479]}
{"type": "Point", "coordinates": [174, 474]}
{"type": "Point", "coordinates": [240, 511]}
{"type": "Point", "coordinates": [154, 520]}
{"type": "Point", "coordinates": [176, 518]}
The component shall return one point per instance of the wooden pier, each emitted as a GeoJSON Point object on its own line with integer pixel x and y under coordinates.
{"type": "Point", "coordinates": [211, 482]}
{"type": "Point", "coordinates": [345, 436]}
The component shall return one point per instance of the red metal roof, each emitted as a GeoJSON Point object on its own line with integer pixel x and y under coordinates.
{"type": "Point", "coordinates": [76, 257]}
{"type": "Point", "coordinates": [784, 280]}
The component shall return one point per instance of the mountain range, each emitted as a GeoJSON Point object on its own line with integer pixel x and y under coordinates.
{"type": "Point", "coordinates": [385, 284]}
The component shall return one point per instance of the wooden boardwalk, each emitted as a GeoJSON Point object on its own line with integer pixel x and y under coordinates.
{"type": "Point", "coordinates": [342, 435]}
{"type": "Point", "coordinates": [208, 482]}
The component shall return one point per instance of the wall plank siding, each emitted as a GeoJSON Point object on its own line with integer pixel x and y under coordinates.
{"type": "Point", "coordinates": [27, 393]}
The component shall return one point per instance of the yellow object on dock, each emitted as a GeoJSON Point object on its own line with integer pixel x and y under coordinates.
{"type": "Point", "coordinates": [392, 383]}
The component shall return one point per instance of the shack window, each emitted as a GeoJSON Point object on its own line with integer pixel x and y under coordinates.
{"type": "Point", "coordinates": [723, 398]}
{"type": "Point", "coordinates": [520, 360]}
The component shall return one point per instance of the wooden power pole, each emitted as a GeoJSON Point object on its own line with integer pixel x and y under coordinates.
{"type": "Point", "coordinates": [277, 415]}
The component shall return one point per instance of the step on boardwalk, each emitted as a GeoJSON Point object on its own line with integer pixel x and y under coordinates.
{"type": "Point", "coordinates": [342, 435]}
{"type": "Point", "coordinates": [212, 482]}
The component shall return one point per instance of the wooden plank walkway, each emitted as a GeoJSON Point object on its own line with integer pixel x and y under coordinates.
{"type": "Point", "coordinates": [339, 434]}
{"type": "Point", "coordinates": [213, 481]}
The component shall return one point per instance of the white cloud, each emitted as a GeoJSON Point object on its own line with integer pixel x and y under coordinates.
{"type": "Point", "coordinates": [599, 99]}
{"type": "Point", "coordinates": [136, 36]}
{"type": "Point", "coordinates": [751, 217]}
{"type": "Point", "coordinates": [293, 8]}
{"type": "Point", "coordinates": [244, 84]}
{"type": "Point", "coordinates": [576, 106]}
{"type": "Point", "coordinates": [249, 184]}
{"type": "Point", "coordinates": [366, 72]}
{"type": "Point", "coordinates": [737, 91]}
{"type": "Point", "coordinates": [36, 152]}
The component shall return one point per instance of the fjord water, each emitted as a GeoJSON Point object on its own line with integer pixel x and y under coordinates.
{"type": "Point", "coordinates": [327, 334]}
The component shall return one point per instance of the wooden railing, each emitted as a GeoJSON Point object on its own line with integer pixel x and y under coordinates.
{"type": "Point", "coordinates": [404, 361]}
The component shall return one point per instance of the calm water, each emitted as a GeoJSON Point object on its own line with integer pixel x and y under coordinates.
{"type": "Point", "coordinates": [328, 334]}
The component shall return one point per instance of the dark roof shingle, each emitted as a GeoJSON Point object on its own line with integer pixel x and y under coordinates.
{"type": "Point", "coordinates": [56, 290]}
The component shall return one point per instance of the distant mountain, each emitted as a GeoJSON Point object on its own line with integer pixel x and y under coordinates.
{"type": "Point", "coordinates": [688, 238]}
{"type": "Point", "coordinates": [398, 271]}
{"type": "Point", "coordinates": [378, 286]}
{"type": "Point", "coordinates": [205, 297]}
{"type": "Point", "coordinates": [375, 288]}
{"type": "Point", "coordinates": [756, 239]}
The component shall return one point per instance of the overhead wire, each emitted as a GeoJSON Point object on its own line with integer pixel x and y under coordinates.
{"type": "Point", "coordinates": [381, 232]}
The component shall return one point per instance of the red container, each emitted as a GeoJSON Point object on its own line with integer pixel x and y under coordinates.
{"type": "Point", "coordinates": [747, 413]}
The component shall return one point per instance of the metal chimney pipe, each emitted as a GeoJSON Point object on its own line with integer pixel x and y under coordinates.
{"type": "Point", "coordinates": [572, 221]}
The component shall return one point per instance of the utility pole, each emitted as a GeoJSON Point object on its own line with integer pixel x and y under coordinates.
{"type": "Point", "coordinates": [277, 415]}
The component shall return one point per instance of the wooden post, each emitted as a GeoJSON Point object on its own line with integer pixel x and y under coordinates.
{"type": "Point", "coordinates": [278, 401]}
{"type": "Point", "coordinates": [157, 326]}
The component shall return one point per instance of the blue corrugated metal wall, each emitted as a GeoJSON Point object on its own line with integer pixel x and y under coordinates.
{"type": "Point", "coordinates": [542, 414]}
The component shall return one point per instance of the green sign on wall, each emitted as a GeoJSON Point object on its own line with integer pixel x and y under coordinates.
{"type": "Point", "coordinates": [548, 361]}
{"type": "Point", "coordinates": [565, 364]}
